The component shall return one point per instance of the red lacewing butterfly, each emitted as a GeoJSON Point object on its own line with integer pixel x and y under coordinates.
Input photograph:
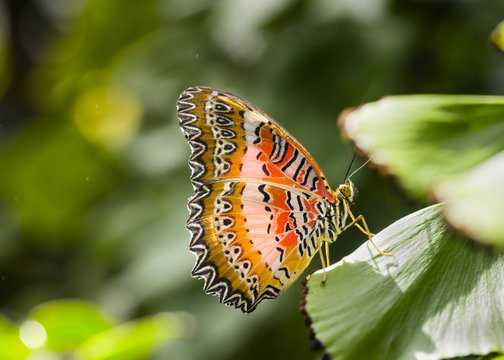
{"type": "Point", "coordinates": [262, 206]}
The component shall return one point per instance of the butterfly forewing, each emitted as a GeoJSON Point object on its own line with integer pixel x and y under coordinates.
{"type": "Point", "coordinates": [255, 215]}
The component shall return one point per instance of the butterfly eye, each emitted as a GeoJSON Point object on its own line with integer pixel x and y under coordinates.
{"type": "Point", "coordinates": [345, 190]}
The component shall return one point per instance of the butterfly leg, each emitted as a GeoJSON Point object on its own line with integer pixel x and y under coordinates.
{"type": "Point", "coordinates": [328, 262]}
{"type": "Point", "coordinates": [365, 230]}
{"type": "Point", "coordinates": [322, 260]}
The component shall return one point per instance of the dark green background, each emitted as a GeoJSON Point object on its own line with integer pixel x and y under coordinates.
{"type": "Point", "coordinates": [93, 167]}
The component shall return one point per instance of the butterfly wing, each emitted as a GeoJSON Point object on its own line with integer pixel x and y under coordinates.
{"type": "Point", "coordinates": [255, 216]}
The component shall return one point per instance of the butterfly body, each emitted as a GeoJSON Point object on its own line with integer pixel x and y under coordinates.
{"type": "Point", "coordinates": [262, 207]}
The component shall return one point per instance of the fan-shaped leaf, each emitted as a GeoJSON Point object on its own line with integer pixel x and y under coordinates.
{"type": "Point", "coordinates": [439, 296]}
{"type": "Point", "coordinates": [438, 144]}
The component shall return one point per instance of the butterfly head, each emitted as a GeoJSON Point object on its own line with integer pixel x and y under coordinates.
{"type": "Point", "coordinates": [346, 192]}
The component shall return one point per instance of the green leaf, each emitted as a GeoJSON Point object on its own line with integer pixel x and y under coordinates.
{"type": "Point", "coordinates": [439, 296]}
{"type": "Point", "coordinates": [135, 339]}
{"type": "Point", "coordinates": [475, 201]}
{"type": "Point", "coordinates": [68, 323]}
{"type": "Point", "coordinates": [438, 144]}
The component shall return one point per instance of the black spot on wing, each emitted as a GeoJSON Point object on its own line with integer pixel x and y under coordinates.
{"type": "Point", "coordinates": [266, 196]}
{"type": "Point", "coordinates": [289, 200]}
{"type": "Point", "coordinates": [307, 176]}
{"type": "Point", "coordinates": [299, 234]}
{"type": "Point", "coordinates": [282, 251]}
{"type": "Point", "coordinates": [314, 183]}
{"type": "Point", "coordinates": [282, 151]}
{"type": "Point", "coordinates": [223, 108]}
{"type": "Point", "coordinates": [301, 249]}
{"type": "Point", "coordinates": [300, 203]}
{"type": "Point", "coordinates": [286, 271]}
{"type": "Point", "coordinates": [300, 166]}
{"type": "Point", "coordinates": [257, 133]}
{"type": "Point", "coordinates": [291, 160]}
{"type": "Point", "coordinates": [265, 170]}
{"type": "Point", "coordinates": [294, 220]}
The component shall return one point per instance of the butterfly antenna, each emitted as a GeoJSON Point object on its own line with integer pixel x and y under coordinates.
{"type": "Point", "coordinates": [360, 167]}
{"type": "Point", "coordinates": [350, 166]}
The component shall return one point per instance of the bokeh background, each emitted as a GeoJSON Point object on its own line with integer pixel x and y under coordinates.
{"type": "Point", "coordinates": [93, 167]}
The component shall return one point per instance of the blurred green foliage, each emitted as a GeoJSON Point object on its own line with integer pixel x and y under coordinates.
{"type": "Point", "coordinates": [76, 329]}
{"type": "Point", "coordinates": [498, 36]}
{"type": "Point", "coordinates": [93, 168]}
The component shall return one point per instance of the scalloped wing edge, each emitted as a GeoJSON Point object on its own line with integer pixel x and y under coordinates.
{"type": "Point", "coordinates": [204, 269]}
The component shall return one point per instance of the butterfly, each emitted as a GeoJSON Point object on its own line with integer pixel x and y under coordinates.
{"type": "Point", "coordinates": [262, 207]}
